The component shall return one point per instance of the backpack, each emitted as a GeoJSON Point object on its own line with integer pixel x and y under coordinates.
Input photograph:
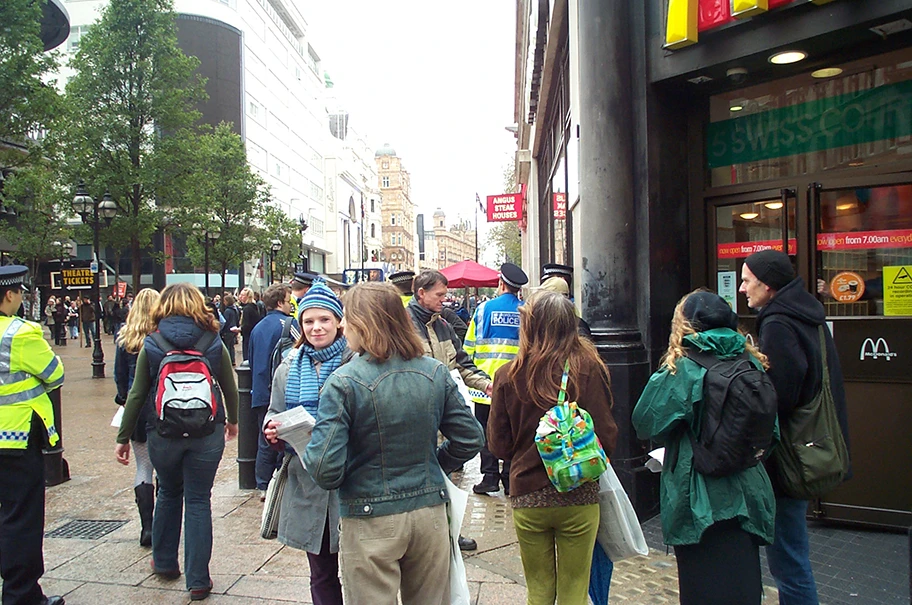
{"type": "Point", "coordinates": [280, 351]}
{"type": "Point", "coordinates": [812, 457]}
{"type": "Point", "coordinates": [567, 443]}
{"type": "Point", "coordinates": [185, 398]}
{"type": "Point", "coordinates": [738, 418]}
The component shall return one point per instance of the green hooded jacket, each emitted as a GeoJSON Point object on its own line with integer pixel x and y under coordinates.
{"type": "Point", "coordinates": [690, 501]}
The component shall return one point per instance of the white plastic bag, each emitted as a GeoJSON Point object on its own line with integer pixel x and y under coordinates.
{"type": "Point", "coordinates": [459, 585]}
{"type": "Point", "coordinates": [619, 533]}
{"type": "Point", "coordinates": [463, 389]}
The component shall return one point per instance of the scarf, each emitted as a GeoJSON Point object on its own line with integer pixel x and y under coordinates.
{"type": "Point", "coordinates": [424, 315]}
{"type": "Point", "coordinates": [304, 384]}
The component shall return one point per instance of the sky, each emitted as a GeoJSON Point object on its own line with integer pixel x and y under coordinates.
{"type": "Point", "coordinates": [432, 79]}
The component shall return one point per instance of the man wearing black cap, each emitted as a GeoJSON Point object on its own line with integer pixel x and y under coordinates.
{"type": "Point", "coordinates": [28, 371]}
{"type": "Point", "coordinates": [404, 280]}
{"type": "Point", "coordinates": [558, 270]}
{"type": "Point", "coordinates": [493, 341]}
{"type": "Point", "coordinates": [300, 284]}
{"type": "Point", "coordinates": [788, 325]}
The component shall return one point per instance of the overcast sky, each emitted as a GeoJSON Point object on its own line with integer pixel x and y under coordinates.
{"type": "Point", "coordinates": [432, 79]}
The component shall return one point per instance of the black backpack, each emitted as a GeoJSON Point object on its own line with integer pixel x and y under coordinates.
{"type": "Point", "coordinates": [280, 351]}
{"type": "Point", "coordinates": [738, 417]}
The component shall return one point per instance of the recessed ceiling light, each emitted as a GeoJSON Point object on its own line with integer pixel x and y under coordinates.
{"type": "Point", "coordinates": [749, 216]}
{"type": "Point", "coordinates": [736, 108]}
{"type": "Point", "coordinates": [826, 72]}
{"type": "Point", "coordinates": [773, 205]}
{"type": "Point", "coordinates": [845, 206]}
{"type": "Point", "coordinates": [788, 56]}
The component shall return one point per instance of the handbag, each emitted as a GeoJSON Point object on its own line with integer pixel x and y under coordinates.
{"type": "Point", "coordinates": [619, 531]}
{"type": "Point", "coordinates": [269, 525]}
{"type": "Point", "coordinates": [459, 584]}
{"type": "Point", "coordinates": [812, 457]}
{"type": "Point", "coordinates": [567, 443]}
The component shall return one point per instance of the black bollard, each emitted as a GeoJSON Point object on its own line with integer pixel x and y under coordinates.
{"type": "Point", "coordinates": [248, 431]}
{"type": "Point", "coordinates": [56, 469]}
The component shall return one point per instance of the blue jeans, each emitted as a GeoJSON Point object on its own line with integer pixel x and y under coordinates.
{"type": "Point", "coordinates": [789, 554]}
{"type": "Point", "coordinates": [186, 471]}
{"type": "Point", "coordinates": [88, 330]}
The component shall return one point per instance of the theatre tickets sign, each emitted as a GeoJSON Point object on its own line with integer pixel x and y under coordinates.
{"type": "Point", "coordinates": [685, 19]}
{"type": "Point", "coordinates": [504, 207]}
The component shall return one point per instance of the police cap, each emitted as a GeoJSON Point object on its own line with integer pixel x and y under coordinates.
{"type": "Point", "coordinates": [513, 276]}
{"type": "Point", "coordinates": [556, 270]}
{"type": "Point", "coordinates": [402, 277]}
{"type": "Point", "coordinates": [13, 275]}
{"type": "Point", "coordinates": [303, 278]}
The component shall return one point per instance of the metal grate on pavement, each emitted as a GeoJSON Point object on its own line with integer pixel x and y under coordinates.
{"type": "Point", "coordinates": [85, 529]}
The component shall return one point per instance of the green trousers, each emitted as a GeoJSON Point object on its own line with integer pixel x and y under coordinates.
{"type": "Point", "coordinates": [556, 546]}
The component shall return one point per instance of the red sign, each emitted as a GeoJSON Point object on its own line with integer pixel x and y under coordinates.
{"type": "Point", "coordinates": [863, 240]}
{"type": "Point", "coordinates": [121, 290]}
{"type": "Point", "coordinates": [560, 205]}
{"type": "Point", "coordinates": [715, 13]}
{"type": "Point", "coordinates": [745, 249]}
{"type": "Point", "coordinates": [504, 207]}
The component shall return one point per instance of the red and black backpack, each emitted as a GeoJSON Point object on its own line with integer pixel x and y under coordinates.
{"type": "Point", "coordinates": [185, 397]}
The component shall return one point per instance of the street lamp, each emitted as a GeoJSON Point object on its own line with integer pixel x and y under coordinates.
{"type": "Point", "coordinates": [210, 235]}
{"type": "Point", "coordinates": [302, 226]}
{"type": "Point", "coordinates": [276, 246]}
{"type": "Point", "coordinates": [92, 212]}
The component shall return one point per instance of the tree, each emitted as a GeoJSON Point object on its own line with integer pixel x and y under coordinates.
{"type": "Point", "coordinates": [228, 196]}
{"type": "Point", "coordinates": [279, 226]}
{"type": "Point", "coordinates": [505, 237]}
{"type": "Point", "coordinates": [40, 204]}
{"type": "Point", "coordinates": [132, 110]}
{"type": "Point", "coordinates": [27, 103]}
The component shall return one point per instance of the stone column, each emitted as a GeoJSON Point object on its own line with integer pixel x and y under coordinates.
{"type": "Point", "coordinates": [607, 241]}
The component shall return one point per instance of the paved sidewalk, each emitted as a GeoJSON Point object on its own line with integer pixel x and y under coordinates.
{"type": "Point", "coordinates": [113, 568]}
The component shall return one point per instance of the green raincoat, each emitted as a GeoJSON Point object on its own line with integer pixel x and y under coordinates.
{"type": "Point", "coordinates": [690, 501]}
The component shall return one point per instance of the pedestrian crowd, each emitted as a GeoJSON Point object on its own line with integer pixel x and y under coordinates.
{"type": "Point", "coordinates": [402, 391]}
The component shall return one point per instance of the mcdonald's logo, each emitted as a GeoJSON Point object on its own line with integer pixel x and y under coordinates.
{"type": "Point", "coordinates": [875, 349]}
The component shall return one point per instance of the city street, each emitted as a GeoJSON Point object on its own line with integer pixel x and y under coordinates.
{"type": "Point", "coordinates": [113, 568]}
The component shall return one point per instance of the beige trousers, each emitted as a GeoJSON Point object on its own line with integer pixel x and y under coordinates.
{"type": "Point", "coordinates": [407, 552]}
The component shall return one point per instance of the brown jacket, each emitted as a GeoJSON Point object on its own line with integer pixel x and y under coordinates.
{"type": "Point", "coordinates": [513, 420]}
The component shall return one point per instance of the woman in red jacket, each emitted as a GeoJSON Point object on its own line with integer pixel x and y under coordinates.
{"type": "Point", "coordinates": [548, 521]}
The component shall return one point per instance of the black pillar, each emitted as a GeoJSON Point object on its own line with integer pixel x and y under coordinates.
{"type": "Point", "coordinates": [607, 234]}
{"type": "Point", "coordinates": [248, 431]}
{"type": "Point", "coordinates": [56, 468]}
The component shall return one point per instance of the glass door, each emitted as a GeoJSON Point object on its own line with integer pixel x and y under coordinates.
{"type": "Point", "coordinates": [742, 225]}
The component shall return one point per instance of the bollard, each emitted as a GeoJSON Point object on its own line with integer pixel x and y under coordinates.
{"type": "Point", "coordinates": [248, 431]}
{"type": "Point", "coordinates": [56, 469]}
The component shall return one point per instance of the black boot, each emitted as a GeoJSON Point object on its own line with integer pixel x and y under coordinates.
{"type": "Point", "coordinates": [145, 502]}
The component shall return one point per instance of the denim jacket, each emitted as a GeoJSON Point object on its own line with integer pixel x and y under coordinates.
{"type": "Point", "coordinates": [376, 435]}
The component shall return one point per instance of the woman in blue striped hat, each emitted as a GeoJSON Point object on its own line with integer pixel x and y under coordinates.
{"type": "Point", "coordinates": [309, 515]}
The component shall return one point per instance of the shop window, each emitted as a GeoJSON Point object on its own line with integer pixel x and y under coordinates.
{"type": "Point", "coordinates": [743, 229]}
{"type": "Point", "coordinates": [864, 245]}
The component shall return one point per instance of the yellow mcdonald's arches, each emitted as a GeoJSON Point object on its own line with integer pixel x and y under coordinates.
{"type": "Point", "coordinates": [681, 25]}
{"type": "Point", "coordinates": [741, 9]}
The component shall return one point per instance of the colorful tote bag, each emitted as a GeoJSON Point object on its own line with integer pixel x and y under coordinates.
{"type": "Point", "coordinates": [567, 443]}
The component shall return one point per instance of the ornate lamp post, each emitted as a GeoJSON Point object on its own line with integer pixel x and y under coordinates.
{"type": "Point", "coordinates": [276, 246]}
{"type": "Point", "coordinates": [302, 227]}
{"type": "Point", "coordinates": [92, 212]}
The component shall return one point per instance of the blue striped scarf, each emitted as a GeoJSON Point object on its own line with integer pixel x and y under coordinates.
{"type": "Point", "coordinates": [303, 386]}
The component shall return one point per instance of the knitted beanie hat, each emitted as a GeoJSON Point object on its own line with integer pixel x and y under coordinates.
{"type": "Point", "coordinates": [771, 267]}
{"type": "Point", "coordinates": [708, 310]}
{"type": "Point", "coordinates": [321, 296]}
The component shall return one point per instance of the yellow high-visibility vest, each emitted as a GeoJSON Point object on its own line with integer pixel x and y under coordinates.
{"type": "Point", "coordinates": [29, 369]}
{"type": "Point", "coordinates": [493, 338]}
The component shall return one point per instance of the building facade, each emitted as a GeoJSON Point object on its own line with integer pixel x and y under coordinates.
{"type": "Point", "coordinates": [399, 252]}
{"type": "Point", "coordinates": [683, 138]}
{"type": "Point", "coordinates": [264, 77]}
{"type": "Point", "coordinates": [454, 243]}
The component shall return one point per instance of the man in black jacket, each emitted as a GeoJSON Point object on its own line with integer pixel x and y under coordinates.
{"type": "Point", "coordinates": [788, 325]}
{"type": "Point", "coordinates": [250, 315]}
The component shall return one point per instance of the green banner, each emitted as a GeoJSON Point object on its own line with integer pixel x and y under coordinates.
{"type": "Point", "coordinates": [865, 116]}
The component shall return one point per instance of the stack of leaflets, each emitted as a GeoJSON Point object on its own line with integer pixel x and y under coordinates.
{"type": "Point", "coordinates": [295, 428]}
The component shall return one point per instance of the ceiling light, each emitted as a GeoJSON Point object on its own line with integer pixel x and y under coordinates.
{"type": "Point", "coordinates": [773, 205]}
{"type": "Point", "coordinates": [856, 164]}
{"type": "Point", "coordinates": [749, 216]}
{"type": "Point", "coordinates": [788, 56]}
{"type": "Point", "coordinates": [848, 206]}
{"type": "Point", "coordinates": [826, 72]}
{"type": "Point", "coordinates": [736, 108]}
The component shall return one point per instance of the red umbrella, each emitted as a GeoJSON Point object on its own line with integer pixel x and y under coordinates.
{"type": "Point", "coordinates": [469, 274]}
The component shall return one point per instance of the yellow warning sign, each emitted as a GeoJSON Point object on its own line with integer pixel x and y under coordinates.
{"type": "Point", "coordinates": [897, 290]}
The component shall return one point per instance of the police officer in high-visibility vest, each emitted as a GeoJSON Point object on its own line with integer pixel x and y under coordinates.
{"type": "Point", "coordinates": [300, 284]}
{"type": "Point", "coordinates": [492, 341]}
{"type": "Point", "coordinates": [403, 281]}
{"type": "Point", "coordinates": [28, 370]}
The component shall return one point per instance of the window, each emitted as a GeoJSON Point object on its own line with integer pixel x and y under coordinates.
{"type": "Point", "coordinates": [373, 230]}
{"type": "Point", "coordinates": [393, 220]}
{"type": "Point", "coordinates": [372, 204]}
{"type": "Point", "coordinates": [385, 181]}
{"type": "Point", "coordinates": [76, 34]}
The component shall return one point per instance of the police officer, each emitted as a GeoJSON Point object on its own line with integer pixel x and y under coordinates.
{"type": "Point", "coordinates": [300, 284]}
{"type": "Point", "coordinates": [557, 270]}
{"type": "Point", "coordinates": [28, 370]}
{"type": "Point", "coordinates": [403, 281]}
{"type": "Point", "coordinates": [492, 341]}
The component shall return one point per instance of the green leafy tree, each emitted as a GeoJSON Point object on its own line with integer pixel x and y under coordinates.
{"type": "Point", "coordinates": [229, 198]}
{"type": "Point", "coordinates": [279, 226]}
{"type": "Point", "coordinates": [505, 237]}
{"type": "Point", "coordinates": [38, 227]}
{"type": "Point", "coordinates": [28, 102]}
{"type": "Point", "coordinates": [130, 129]}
